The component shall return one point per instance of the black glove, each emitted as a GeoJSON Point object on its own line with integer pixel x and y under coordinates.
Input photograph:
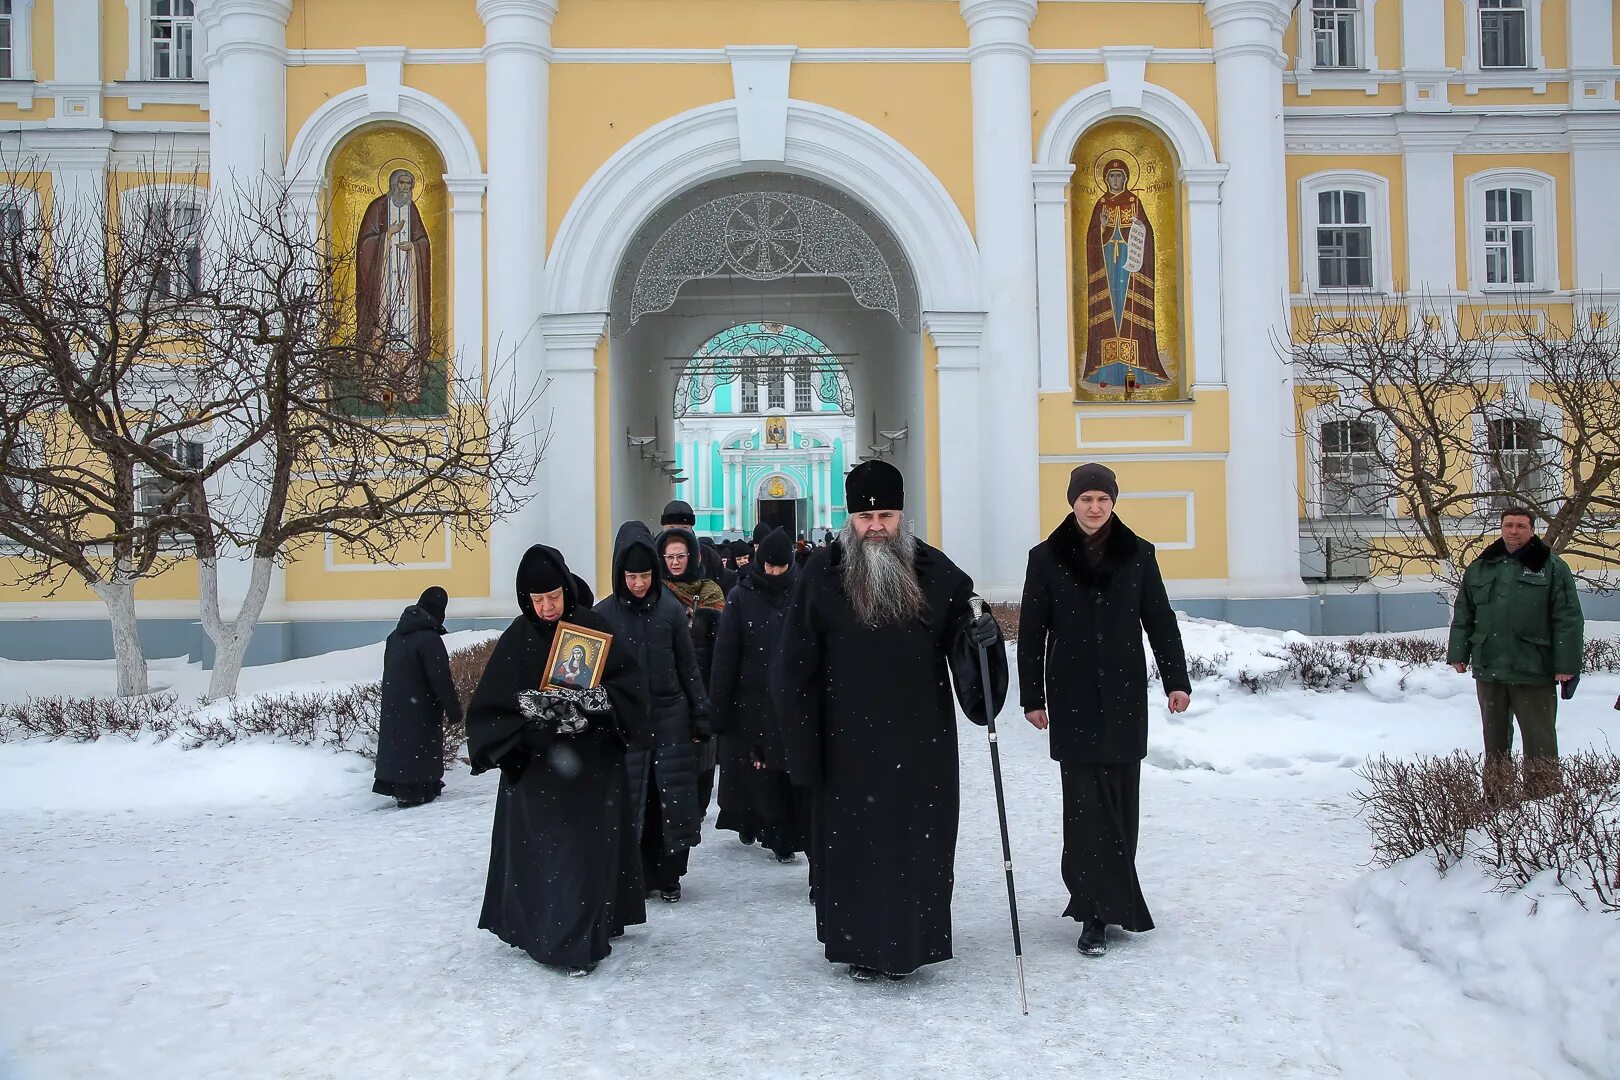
{"type": "Point", "coordinates": [702, 727]}
{"type": "Point", "coordinates": [984, 631]}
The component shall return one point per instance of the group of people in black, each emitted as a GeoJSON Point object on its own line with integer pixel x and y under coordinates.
{"type": "Point", "coordinates": [823, 681]}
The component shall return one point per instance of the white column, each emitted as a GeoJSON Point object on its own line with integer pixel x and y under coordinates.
{"type": "Point", "coordinates": [1052, 274]}
{"type": "Point", "coordinates": [1262, 519]}
{"type": "Point", "coordinates": [963, 508]}
{"type": "Point", "coordinates": [517, 79]}
{"type": "Point", "coordinates": [1204, 262]}
{"type": "Point", "coordinates": [568, 488]}
{"type": "Point", "coordinates": [467, 242]}
{"type": "Point", "coordinates": [1006, 483]}
{"type": "Point", "coordinates": [1595, 166]}
{"type": "Point", "coordinates": [247, 89]}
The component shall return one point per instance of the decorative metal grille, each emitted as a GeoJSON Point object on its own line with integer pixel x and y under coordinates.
{"type": "Point", "coordinates": [760, 352]}
{"type": "Point", "coordinates": [765, 228]}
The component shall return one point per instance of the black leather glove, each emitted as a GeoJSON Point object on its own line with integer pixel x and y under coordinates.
{"type": "Point", "coordinates": [702, 727]}
{"type": "Point", "coordinates": [984, 631]}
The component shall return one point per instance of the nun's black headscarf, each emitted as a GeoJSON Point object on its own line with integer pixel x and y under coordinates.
{"type": "Point", "coordinates": [542, 570]}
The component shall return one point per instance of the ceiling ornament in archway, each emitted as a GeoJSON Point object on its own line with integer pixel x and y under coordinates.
{"type": "Point", "coordinates": [768, 233]}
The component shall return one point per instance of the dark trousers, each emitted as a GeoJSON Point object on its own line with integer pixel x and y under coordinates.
{"type": "Point", "coordinates": [1101, 814]}
{"type": "Point", "coordinates": [1535, 706]}
{"type": "Point", "coordinates": [660, 869]}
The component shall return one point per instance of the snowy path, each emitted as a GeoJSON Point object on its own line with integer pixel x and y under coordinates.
{"type": "Point", "coordinates": [337, 940]}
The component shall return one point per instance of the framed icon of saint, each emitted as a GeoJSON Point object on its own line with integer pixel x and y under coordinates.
{"type": "Point", "coordinates": [577, 658]}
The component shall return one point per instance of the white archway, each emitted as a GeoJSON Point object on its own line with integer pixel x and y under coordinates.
{"type": "Point", "coordinates": [1125, 95]}
{"type": "Point", "coordinates": [833, 147]}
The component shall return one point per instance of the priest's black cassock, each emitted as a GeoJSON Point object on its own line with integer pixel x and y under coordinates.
{"type": "Point", "coordinates": [868, 725]}
{"type": "Point", "coordinates": [558, 885]}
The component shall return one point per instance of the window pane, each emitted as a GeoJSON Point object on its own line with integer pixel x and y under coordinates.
{"type": "Point", "coordinates": [1524, 266]}
{"type": "Point", "coordinates": [1496, 200]}
{"type": "Point", "coordinates": [1519, 204]}
{"type": "Point", "coordinates": [11, 222]}
{"type": "Point", "coordinates": [1327, 208]}
{"type": "Point", "coordinates": [1355, 207]}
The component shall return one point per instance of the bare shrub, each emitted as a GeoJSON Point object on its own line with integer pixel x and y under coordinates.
{"type": "Point", "coordinates": [1207, 667]}
{"type": "Point", "coordinates": [1262, 682]}
{"type": "Point", "coordinates": [88, 719]}
{"type": "Point", "coordinates": [1602, 654]}
{"type": "Point", "coordinates": [1322, 666]}
{"type": "Point", "coordinates": [1404, 650]}
{"type": "Point", "coordinates": [1563, 816]}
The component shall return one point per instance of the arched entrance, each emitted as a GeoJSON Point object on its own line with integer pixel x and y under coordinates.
{"type": "Point", "coordinates": [765, 338]}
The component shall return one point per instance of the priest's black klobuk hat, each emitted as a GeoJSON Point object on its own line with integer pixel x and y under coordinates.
{"type": "Point", "coordinates": [874, 485]}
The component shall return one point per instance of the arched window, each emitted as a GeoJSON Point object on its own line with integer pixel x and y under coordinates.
{"type": "Point", "coordinates": [771, 364]}
{"type": "Point", "coordinates": [1344, 232]}
{"type": "Point", "coordinates": [1512, 238]}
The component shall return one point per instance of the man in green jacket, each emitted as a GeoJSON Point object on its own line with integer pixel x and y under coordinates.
{"type": "Point", "coordinates": [1518, 622]}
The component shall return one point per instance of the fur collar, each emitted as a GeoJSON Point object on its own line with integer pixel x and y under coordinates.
{"type": "Point", "coordinates": [1068, 544]}
{"type": "Point", "coordinates": [1533, 555]}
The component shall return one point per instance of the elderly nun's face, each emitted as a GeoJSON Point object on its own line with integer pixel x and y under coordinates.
{"type": "Point", "coordinates": [548, 605]}
{"type": "Point", "coordinates": [1092, 510]}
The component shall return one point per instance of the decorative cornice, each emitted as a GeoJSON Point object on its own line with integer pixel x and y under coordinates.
{"type": "Point", "coordinates": [954, 330]}
{"type": "Point", "coordinates": [1051, 182]}
{"type": "Point", "coordinates": [977, 11]}
{"type": "Point", "coordinates": [574, 332]}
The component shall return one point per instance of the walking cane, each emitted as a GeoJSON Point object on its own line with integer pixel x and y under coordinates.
{"type": "Point", "coordinates": [978, 607]}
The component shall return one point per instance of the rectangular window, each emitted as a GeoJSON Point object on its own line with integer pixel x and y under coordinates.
{"type": "Point", "coordinates": [777, 384]}
{"type": "Point", "coordinates": [1510, 237]}
{"type": "Point", "coordinates": [1348, 465]}
{"type": "Point", "coordinates": [1503, 34]}
{"type": "Point", "coordinates": [11, 223]}
{"type": "Point", "coordinates": [803, 401]}
{"type": "Point", "coordinates": [151, 489]}
{"type": "Point", "coordinates": [176, 241]}
{"type": "Point", "coordinates": [1336, 31]}
{"type": "Point", "coordinates": [6, 26]}
{"type": "Point", "coordinates": [750, 395]}
{"type": "Point", "coordinates": [1518, 464]}
{"type": "Point", "coordinates": [1343, 240]}
{"type": "Point", "coordinates": [171, 34]}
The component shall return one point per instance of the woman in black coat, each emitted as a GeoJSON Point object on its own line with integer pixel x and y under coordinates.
{"type": "Point", "coordinates": [556, 885]}
{"type": "Point", "coordinates": [664, 777]}
{"type": "Point", "coordinates": [756, 798]}
{"type": "Point", "coordinates": [1092, 588]}
{"type": "Point", "coordinates": [417, 694]}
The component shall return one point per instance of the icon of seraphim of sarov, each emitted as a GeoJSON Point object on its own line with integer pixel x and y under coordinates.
{"type": "Point", "coordinates": [1122, 351]}
{"type": "Point", "coordinates": [394, 286]}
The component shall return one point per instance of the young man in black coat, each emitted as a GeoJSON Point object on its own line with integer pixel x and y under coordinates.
{"type": "Point", "coordinates": [1092, 588]}
{"type": "Point", "coordinates": [417, 694]}
{"type": "Point", "coordinates": [557, 886]}
{"type": "Point", "coordinates": [878, 630]}
{"type": "Point", "coordinates": [756, 798]}
{"type": "Point", "coordinates": [648, 621]}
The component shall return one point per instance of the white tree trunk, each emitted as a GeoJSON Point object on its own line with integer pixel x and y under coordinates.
{"type": "Point", "coordinates": [231, 638]}
{"type": "Point", "coordinates": [119, 596]}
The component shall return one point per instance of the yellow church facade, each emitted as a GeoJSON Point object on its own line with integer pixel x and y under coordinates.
{"type": "Point", "coordinates": [1028, 234]}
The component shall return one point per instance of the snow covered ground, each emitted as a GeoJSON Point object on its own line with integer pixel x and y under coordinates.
{"type": "Point", "coordinates": [253, 911]}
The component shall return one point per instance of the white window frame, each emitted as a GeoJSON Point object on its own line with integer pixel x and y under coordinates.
{"type": "Point", "coordinates": [1533, 77]}
{"type": "Point", "coordinates": [132, 209]}
{"type": "Point", "coordinates": [1348, 407]}
{"type": "Point", "coordinates": [139, 67]}
{"type": "Point", "coordinates": [22, 41]}
{"type": "Point", "coordinates": [1543, 217]}
{"type": "Point", "coordinates": [1367, 77]}
{"type": "Point", "coordinates": [1375, 188]}
{"type": "Point", "coordinates": [145, 479]}
{"type": "Point", "coordinates": [1520, 406]}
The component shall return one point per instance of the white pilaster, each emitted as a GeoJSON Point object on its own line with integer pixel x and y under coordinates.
{"type": "Point", "coordinates": [1006, 480]}
{"type": "Point", "coordinates": [1052, 274]}
{"type": "Point", "coordinates": [568, 488]}
{"type": "Point", "coordinates": [246, 64]}
{"type": "Point", "coordinates": [1429, 145]}
{"type": "Point", "coordinates": [76, 85]}
{"type": "Point", "coordinates": [467, 273]}
{"type": "Point", "coordinates": [1591, 54]}
{"type": "Point", "coordinates": [517, 81]}
{"type": "Point", "coordinates": [1423, 55]}
{"type": "Point", "coordinates": [963, 510]}
{"type": "Point", "coordinates": [1203, 184]}
{"type": "Point", "coordinates": [1262, 522]}
{"type": "Point", "coordinates": [1594, 167]}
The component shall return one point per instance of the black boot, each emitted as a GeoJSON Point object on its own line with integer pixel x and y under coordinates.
{"type": "Point", "coordinates": [671, 895]}
{"type": "Point", "coordinates": [581, 972]}
{"type": "Point", "coordinates": [786, 857]}
{"type": "Point", "coordinates": [1094, 938]}
{"type": "Point", "coordinates": [861, 974]}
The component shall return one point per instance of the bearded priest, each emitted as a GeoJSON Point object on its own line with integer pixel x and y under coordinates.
{"type": "Point", "coordinates": [879, 629]}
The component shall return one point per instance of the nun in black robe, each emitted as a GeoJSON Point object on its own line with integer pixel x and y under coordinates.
{"type": "Point", "coordinates": [559, 883]}
{"type": "Point", "coordinates": [869, 726]}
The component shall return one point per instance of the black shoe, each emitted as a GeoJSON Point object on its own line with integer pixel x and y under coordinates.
{"type": "Point", "coordinates": [671, 895]}
{"type": "Point", "coordinates": [786, 857]}
{"type": "Point", "coordinates": [1094, 938]}
{"type": "Point", "coordinates": [895, 978]}
{"type": "Point", "coordinates": [581, 972]}
{"type": "Point", "coordinates": [747, 838]}
{"type": "Point", "coordinates": [617, 933]}
{"type": "Point", "coordinates": [861, 974]}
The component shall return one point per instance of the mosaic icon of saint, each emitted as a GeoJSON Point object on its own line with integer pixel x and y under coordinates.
{"type": "Point", "coordinates": [394, 286]}
{"type": "Point", "coordinates": [1122, 350]}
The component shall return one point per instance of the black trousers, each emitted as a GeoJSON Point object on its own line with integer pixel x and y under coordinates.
{"type": "Point", "coordinates": [1101, 813]}
{"type": "Point", "coordinates": [660, 869]}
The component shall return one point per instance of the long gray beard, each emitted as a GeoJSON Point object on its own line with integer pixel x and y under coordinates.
{"type": "Point", "coordinates": [880, 577]}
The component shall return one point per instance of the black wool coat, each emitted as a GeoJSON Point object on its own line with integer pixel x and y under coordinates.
{"type": "Point", "coordinates": [559, 885]}
{"type": "Point", "coordinates": [868, 724]}
{"type": "Point", "coordinates": [1080, 654]}
{"type": "Point", "coordinates": [417, 694]}
{"type": "Point", "coordinates": [653, 629]}
{"type": "Point", "coordinates": [739, 690]}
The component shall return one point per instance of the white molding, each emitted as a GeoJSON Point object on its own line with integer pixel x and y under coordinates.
{"type": "Point", "coordinates": [18, 93]}
{"type": "Point", "coordinates": [1548, 414]}
{"type": "Point", "coordinates": [385, 74]}
{"type": "Point", "coordinates": [821, 55]}
{"type": "Point", "coordinates": [160, 92]}
{"type": "Point", "coordinates": [333, 121]}
{"type": "Point", "coordinates": [703, 144]}
{"type": "Point", "coordinates": [759, 82]}
{"type": "Point", "coordinates": [22, 49]}
{"type": "Point", "coordinates": [1347, 406]}
{"type": "Point", "coordinates": [1544, 216]}
{"type": "Point", "coordinates": [1376, 188]}
{"type": "Point", "coordinates": [1189, 500]}
{"type": "Point", "coordinates": [135, 70]}
{"type": "Point", "coordinates": [1118, 412]}
{"type": "Point", "coordinates": [1534, 76]}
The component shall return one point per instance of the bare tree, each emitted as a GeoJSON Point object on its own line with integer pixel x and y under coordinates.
{"type": "Point", "coordinates": [102, 395]}
{"type": "Point", "coordinates": [1419, 431]}
{"type": "Point", "coordinates": [333, 438]}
